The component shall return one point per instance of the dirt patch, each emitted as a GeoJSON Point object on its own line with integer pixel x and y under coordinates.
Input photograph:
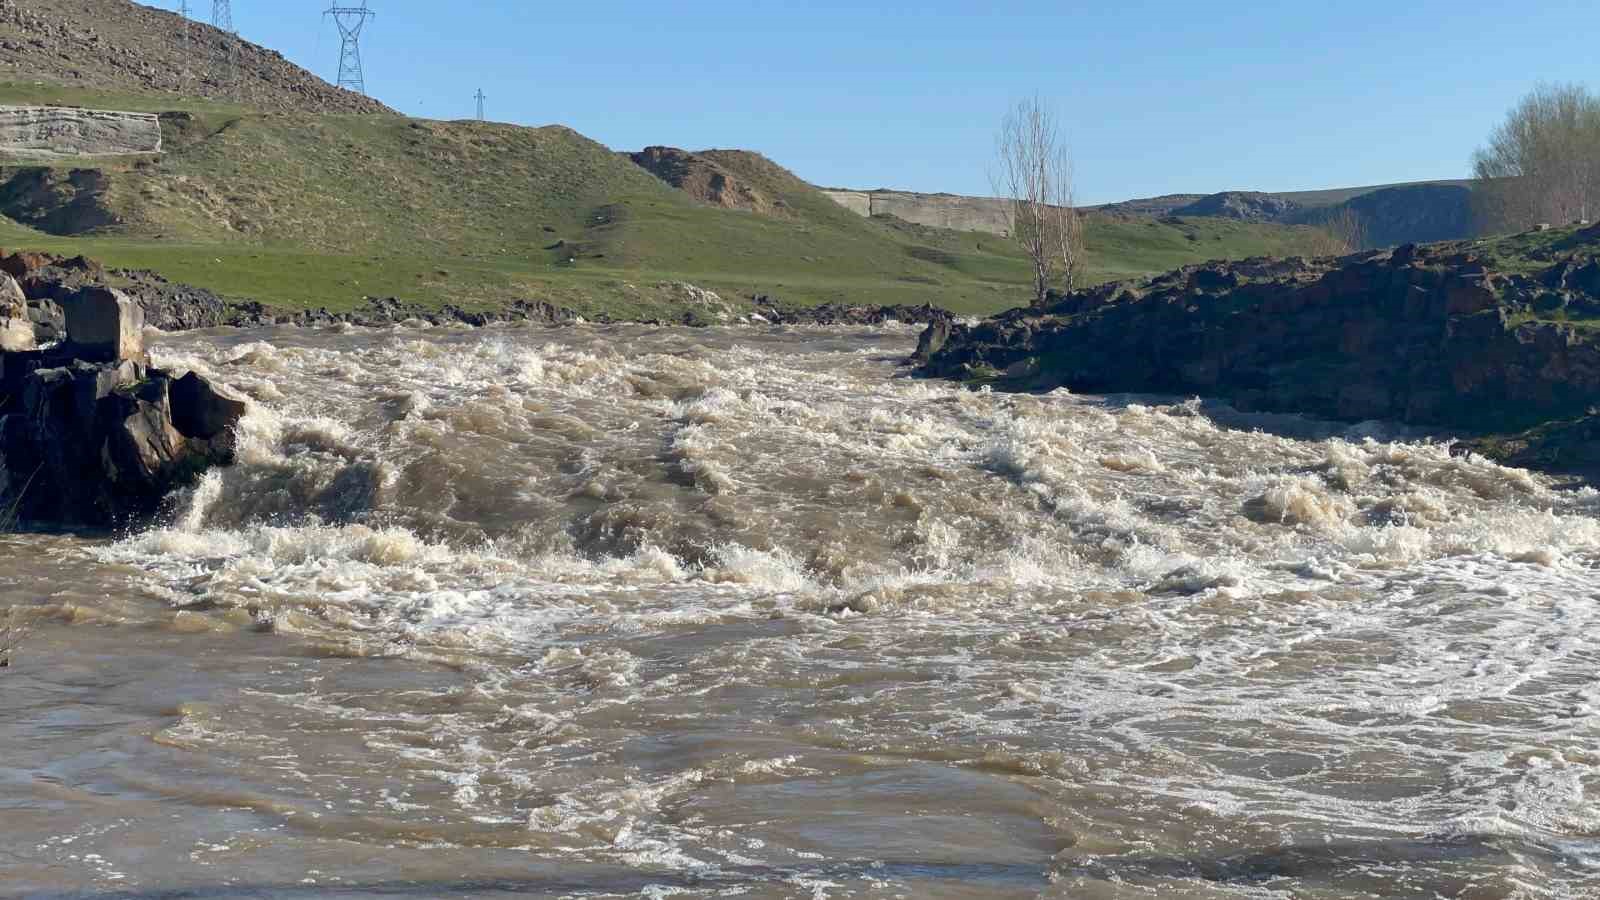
{"type": "Point", "coordinates": [705, 180]}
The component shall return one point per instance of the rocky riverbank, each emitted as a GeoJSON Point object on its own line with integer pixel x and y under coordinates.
{"type": "Point", "coordinates": [1482, 338]}
{"type": "Point", "coordinates": [47, 279]}
{"type": "Point", "coordinates": [91, 434]}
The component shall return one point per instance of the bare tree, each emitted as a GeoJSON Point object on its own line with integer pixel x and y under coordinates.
{"type": "Point", "coordinates": [1340, 233]}
{"type": "Point", "coordinates": [1034, 173]}
{"type": "Point", "coordinates": [1542, 164]}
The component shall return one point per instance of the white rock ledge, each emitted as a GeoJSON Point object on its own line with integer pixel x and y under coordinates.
{"type": "Point", "coordinates": [57, 132]}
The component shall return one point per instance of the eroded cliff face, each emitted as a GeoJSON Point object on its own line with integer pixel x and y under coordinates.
{"type": "Point", "coordinates": [1426, 335]}
{"type": "Point", "coordinates": [704, 180]}
{"type": "Point", "coordinates": [54, 132]}
{"type": "Point", "coordinates": [990, 215]}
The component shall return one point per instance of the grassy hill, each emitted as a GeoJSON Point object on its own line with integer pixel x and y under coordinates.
{"type": "Point", "coordinates": [297, 208]}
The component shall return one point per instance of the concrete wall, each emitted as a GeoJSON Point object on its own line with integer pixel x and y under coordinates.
{"type": "Point", "coordinates": [985, 214]}
{"type": "Point", "coordinates": [52, 132]}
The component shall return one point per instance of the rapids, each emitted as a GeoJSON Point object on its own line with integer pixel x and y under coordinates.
{"type": "Point", "coordinates": [634, 611]}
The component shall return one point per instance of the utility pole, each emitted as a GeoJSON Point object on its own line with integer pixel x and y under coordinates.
{"type": "Point", "coordinates": [222, 15]}
{"type": "Point", "coordinates": [350, 19]}
{"type": "Point", "coordinates": [480, 98]}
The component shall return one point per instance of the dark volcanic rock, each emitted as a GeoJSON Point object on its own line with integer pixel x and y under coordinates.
{"type": "Point", "coordinates": [384, 311]}
{"type": "Point", "coordinates": [1424, 335]}
{"type": "Point", "coordinates": [1570, 446]}
{"type": "Point", "coordinates": [90, 433]}
{"type": "Point", "coordinates": [203, 410]}
{"type": "Point", "coordinates": [100, 444]}
{"type": "Point", "coordinates": [841, 314]}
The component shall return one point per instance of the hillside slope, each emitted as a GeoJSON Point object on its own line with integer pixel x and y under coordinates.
{"type": "Point", "coordinates": [1388, 215]}
{"type": "Point", "coordinates": [315, 210]}
{"type": "Point", "coordinates": [126, 47]}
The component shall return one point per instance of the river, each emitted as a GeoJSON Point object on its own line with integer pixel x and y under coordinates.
{"type": "Point", "coordinates": [750, 612]}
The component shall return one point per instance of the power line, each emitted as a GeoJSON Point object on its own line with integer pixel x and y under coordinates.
{"type": "Point", "coordinates": [222, 15]}
{"type": "Point", "coordinates": [350, 19]}
{"type": "Point", "coordinates": [480, 97]}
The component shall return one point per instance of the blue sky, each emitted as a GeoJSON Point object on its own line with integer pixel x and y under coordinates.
{"type": "Point", "coordinates": [1158, 97]}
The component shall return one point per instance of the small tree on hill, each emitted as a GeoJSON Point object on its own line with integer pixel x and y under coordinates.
{"type": "Point", "coordinates": [1542, 164]}
{"type": "Point", "coordinates": [1034, 173]}
{"type": "Point", "coordinates": [1340, 233]}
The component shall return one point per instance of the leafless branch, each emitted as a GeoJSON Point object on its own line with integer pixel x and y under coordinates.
{"type": "Point", "coordinates": [1542, 164]}
{"type": "Point", "coordinates": [1034, 173]}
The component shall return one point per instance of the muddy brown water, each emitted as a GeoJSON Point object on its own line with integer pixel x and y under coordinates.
{"type": "Point", "coordinates": [748, 612]}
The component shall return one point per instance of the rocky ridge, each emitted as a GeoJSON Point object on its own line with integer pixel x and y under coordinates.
{"type": "Point", "coordinates": [1246, 206]}
{"type": "Point", "coordinates": [119, 45]}
{"type": "Point", "coordinates": [1431, 335]}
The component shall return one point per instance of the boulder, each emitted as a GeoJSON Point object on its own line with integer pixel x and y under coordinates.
{"type": "Point", "coordinates": [49, 321]}
{"type": "Point", "coordinates": [104, 325]}
{"type": "Point", "coordinates": [16, 335]}
{"type": "Point", "coordinates": [100, 444]}
{"type": "Point", "coordinates": [204, 410]}
{"type": "Point", "coordinates": [16, 331]}
{"type": "Point", "coordinates": [24, 263]}
{"type": "Point", "coordinates": [13, 302]}
{"type": "Point", "coordinates": [932, 340]}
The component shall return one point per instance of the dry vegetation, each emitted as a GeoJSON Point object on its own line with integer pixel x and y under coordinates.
{"type": "Point", "coordinates": [13, 628]}
{"type": "Point", "coordinates": [1341, 233]}
{"type": "Point", "coordinates": [1542, 164]}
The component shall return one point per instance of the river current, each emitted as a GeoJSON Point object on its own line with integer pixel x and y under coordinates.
{"type": "Point", "coordinates": [750, 612]}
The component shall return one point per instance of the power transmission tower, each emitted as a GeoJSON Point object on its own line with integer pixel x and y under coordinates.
{"type": "Point", "coordinates": [480, 96]}
{"type": "Point", "coordinates": [185, 42]}
{"type": "Point", "coordinates": [350, 19]}
{"type": "Point", "coordinates": [228, 49]}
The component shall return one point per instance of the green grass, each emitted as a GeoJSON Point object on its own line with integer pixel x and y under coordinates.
{"type": "Point", "coordinates": [302, 210]}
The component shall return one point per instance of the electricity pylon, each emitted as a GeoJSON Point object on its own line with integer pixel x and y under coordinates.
{"type": "Point", "coordinates": [350, 19]}
{"type": "Point", "coordinates": [228, 49]}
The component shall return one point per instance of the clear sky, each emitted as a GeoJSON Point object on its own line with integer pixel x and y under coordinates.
{"type": "Point", "coordinates": [1159, 97]}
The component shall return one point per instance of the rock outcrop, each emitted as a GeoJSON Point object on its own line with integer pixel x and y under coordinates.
{"type": "Point", "coordinates": [54, 132]}
{"type": "Point", "coordinates": [989, 215]}
{"type": "Point", "coordinates": [16, 326]}
{"type": "Point", "coordinates": [90, 433]}
{"type": "Point", "coordinates": [705, 180]}
{"type": "Point", "coordinates": [57, 201]}
{"type": "Point", "coordinates": [1246, 206]}
{"type": "Point", "coordinates": [1426, 335]}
